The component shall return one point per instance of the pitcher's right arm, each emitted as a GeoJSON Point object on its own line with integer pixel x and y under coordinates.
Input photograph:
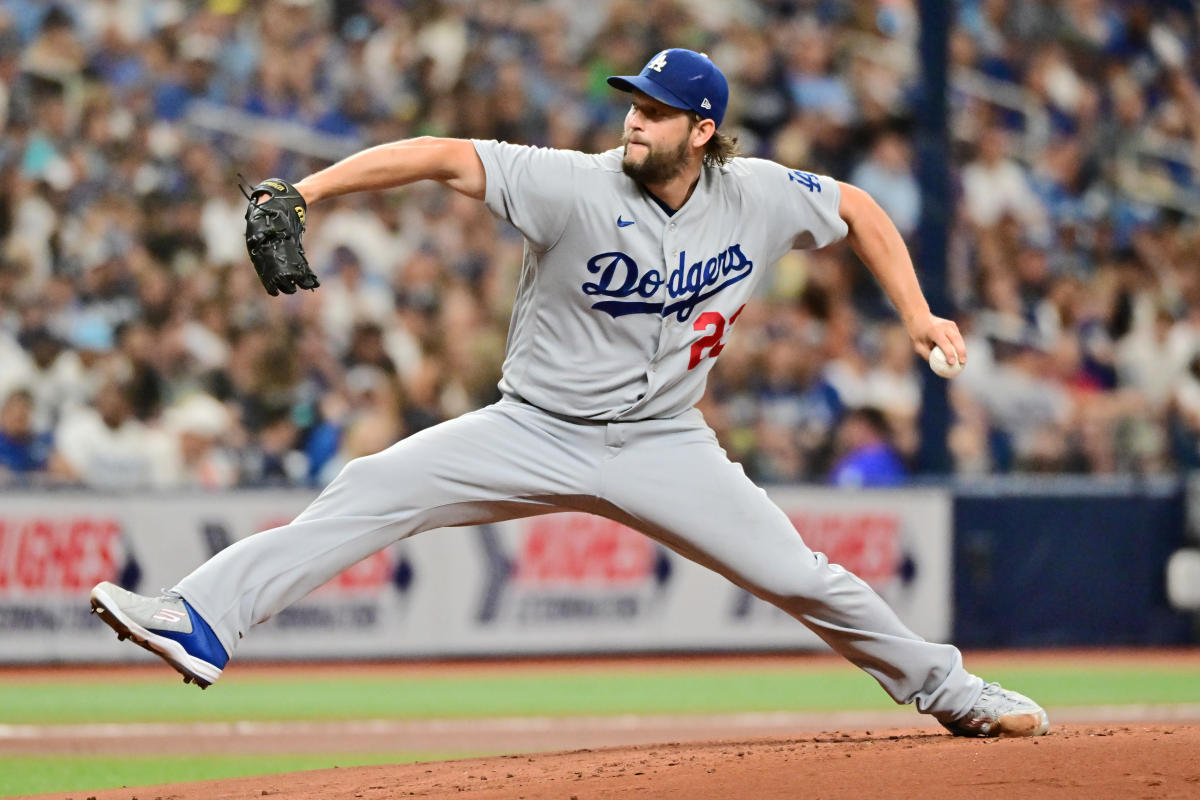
{"type": "Point", "coordinates": [452, 162]}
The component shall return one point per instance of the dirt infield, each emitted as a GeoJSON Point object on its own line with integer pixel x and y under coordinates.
{"type": "Point", "coordinates": [1094, 753]}
{"type": "Point", "coordinates": [1084, 761]}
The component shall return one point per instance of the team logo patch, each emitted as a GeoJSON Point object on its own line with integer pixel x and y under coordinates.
{"type": "Point", "coordinates": [659, 62]}
{"type": "Point", "coordinates": [805, 179]}
{"type": "Point", "coordinates": [620, 278]}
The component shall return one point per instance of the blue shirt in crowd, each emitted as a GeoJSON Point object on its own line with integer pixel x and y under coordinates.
{"type": "Point", "coordinates": [873, 465]}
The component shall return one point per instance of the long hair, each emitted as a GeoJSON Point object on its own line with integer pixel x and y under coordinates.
{"type": "Point", "coordinates": [720, 148]}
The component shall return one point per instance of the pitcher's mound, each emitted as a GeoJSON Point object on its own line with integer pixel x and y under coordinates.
{"type": "Point", "coordinates": [1074, 761]}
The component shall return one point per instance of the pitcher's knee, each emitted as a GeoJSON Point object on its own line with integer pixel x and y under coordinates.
{"type": "Point", "coordinates": [375, 485]}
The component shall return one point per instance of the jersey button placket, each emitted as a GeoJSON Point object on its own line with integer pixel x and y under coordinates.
{"type": "Point", "coordinates": [670, 261]}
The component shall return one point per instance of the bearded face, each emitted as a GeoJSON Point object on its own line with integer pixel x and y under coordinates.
{"type": "Point", "coordinates": [651, 164]}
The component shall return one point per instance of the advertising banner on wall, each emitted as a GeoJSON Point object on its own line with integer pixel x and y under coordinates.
{"type": "Point", "coordinates": [562, 583]}
{"type": "Point", "coordinates": [55, 546]}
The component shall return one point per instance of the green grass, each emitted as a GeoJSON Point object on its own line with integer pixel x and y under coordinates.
{"type": "Point", "coordinates": [712, 690]}
{"type": "Point", "coordinates": [1101, 685]}
{"type": "Point", "coordinates": [21, 775]}
{"type": "Point", "coordinates": [697, 689]}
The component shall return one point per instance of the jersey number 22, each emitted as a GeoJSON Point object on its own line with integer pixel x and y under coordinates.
{"type": "Point", "coordinates": [712, 342]}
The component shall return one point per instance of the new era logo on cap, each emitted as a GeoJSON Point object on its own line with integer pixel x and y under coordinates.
{"type": "Point", "coordinates": [681, 79]}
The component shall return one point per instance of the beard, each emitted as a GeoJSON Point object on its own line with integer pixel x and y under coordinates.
{"type": "Point", "coordinates": [658, 166]}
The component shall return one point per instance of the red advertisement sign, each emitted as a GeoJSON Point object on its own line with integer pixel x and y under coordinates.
{"type": "Point", "coordinates": [580, 549]}
{"type": "Point", "coordinates": [866, 543]}
{"type": "Point", "coordinates": [57, 554]}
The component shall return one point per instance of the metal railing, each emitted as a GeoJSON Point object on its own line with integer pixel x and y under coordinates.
{"type": "Point", "coordinates": [295, 137]}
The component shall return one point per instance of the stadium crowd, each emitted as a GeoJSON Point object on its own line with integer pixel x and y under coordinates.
{"type": "Point", "coordinates": [138, 350]}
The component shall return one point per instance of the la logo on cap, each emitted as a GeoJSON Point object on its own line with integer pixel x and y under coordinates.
{"type": "Point", "coordinates": [659, 62]}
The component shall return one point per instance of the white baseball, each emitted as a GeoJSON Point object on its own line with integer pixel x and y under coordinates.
{"type": "Point", "coordinates": [942, 367]}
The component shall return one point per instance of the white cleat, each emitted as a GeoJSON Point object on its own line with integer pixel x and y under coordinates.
{"type": "Point", "coordinates": [1000, 712]}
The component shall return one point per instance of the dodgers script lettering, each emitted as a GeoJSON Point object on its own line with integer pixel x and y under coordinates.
{"type": "Point", "coordinates": [618, 276]}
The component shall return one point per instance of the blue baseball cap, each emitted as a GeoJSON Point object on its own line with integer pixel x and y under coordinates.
{"type": "Point", "coordinates": [681, 79]}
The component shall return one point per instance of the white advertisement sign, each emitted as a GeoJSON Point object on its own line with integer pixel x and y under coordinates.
{"type": "Point", "coordinates": [562, 583]}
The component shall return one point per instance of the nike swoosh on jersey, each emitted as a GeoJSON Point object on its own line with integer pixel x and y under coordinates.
{"type": "Point", "coordinates": [624, 223]}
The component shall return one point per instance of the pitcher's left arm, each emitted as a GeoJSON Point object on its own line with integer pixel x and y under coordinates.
{"type": "Point", "coordinates": [875, 239]}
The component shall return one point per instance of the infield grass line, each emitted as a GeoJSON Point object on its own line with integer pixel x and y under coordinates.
{"type": "Point", "coordinates": [25, 775]}
{"type": "Point", "coordinates": [260, 697]}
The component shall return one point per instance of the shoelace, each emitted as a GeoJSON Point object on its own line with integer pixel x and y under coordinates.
{"type": "Point", "coordinates": [999, 698]}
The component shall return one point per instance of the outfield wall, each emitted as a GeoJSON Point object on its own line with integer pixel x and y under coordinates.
{"type": "Point", "coordinates": [1020, 568]}
{"type": "Point", "coordinates": [1068, 562]}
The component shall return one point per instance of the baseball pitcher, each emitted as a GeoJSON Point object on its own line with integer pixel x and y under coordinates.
{"type": "Point", "coordinates": [637, 264]}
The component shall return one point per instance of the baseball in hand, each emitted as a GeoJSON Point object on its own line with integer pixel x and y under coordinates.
{"type": "Point", "coordinates": [941, 367]}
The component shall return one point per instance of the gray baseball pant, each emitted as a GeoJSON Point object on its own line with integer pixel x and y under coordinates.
{"type": "Point", "coordinates": [667, 478]}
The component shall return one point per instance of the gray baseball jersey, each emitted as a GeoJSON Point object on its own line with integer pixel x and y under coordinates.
{"type": "Point", "coordinates": [622, 309]}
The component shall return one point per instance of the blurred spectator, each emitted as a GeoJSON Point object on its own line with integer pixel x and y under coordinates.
{"type": "Point", "coordinates": [54, 375]}
{"type": "Point", "coordinates": [886, 174]}
{"type": "Point", "coordinates": [202, 425]}
{"type": "Point", "coordinates": [56, 52]}
{"type": "Point", "coordinates": [105, 447]}
{"type": "Point", "coordinates": [865, 456]}
{"type": "Point", "coordinates": [273, 457]}
{"type": "Point", "coordinates": [817, 88]}
{"type": "Point", "coordinates": [1025, 402]}
{"type": "Point", "coordinates": [994, 185]}
{"type": "Point", "coordinates": [893, 387]}
{"type": "Point", "coordinates": [795, 410]}
{"type": "Point", "coordinates": [364, 420]}
{"type": "Point", "coordinates": [22, 449]}
{"type": "Point", "coordinates": [348, 296]}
